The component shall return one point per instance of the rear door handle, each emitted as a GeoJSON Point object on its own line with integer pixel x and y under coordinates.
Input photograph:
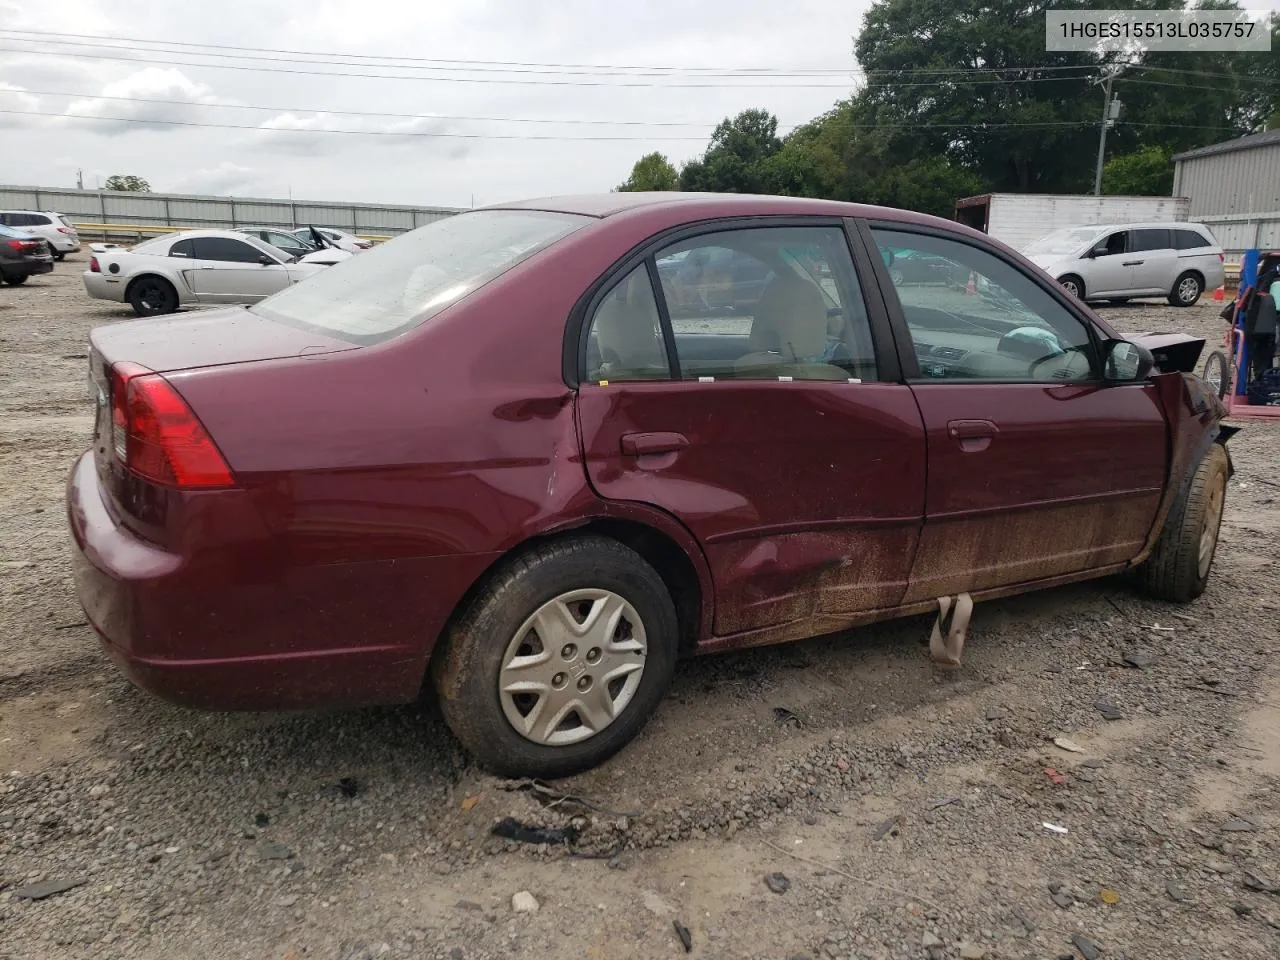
{"type": "Point", "coordinates": [972, 435]}
{"type": "Point", "coordinates": [647, 444]}
{"type": "Point", "coordinates": [1132, 263]}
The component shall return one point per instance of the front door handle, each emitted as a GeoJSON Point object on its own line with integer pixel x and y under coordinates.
{"type": "Point", "coordinates": [648, 444]}
{"type": "Point", "coordinates": [1132, 263]}
{"type": "Point", "coordinates": [973, 436]}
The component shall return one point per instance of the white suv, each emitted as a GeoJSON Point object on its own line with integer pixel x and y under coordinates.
{"type": "Point", "coordinates": [53, 227]}
{"type": "Point", "coordinates": [1178, 261]}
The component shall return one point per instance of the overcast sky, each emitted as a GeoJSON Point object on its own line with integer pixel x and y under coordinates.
{"type": "Point", "coordinates": [278, 150]}
{"type": "Point", "coordinates": [269, 144]}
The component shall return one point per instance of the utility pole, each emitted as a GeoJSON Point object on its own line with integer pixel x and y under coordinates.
{"type": "Point", "coordinates": [79, 179]}
{"type": "Point", "coordinates": [1110, 113]}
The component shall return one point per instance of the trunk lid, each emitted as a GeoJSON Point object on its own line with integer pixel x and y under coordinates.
{"type": "Point", "coordinates": [206, 338]}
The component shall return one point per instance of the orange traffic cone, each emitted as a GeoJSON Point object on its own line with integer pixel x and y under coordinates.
{"type": "Point", "coordinates": [1219, 294]}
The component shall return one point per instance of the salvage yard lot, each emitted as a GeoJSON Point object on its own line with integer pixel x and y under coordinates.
{"type": "Point", "coordinates": [906, 807]}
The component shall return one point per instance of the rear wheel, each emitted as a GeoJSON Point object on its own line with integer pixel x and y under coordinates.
{"type": "Point", "coordinates": [15, 279]}
{"type": "Point", "coordinates": [151, 296]}
{"type": "Point", "coordinates": [59, 255]}
{"type": "Point", "coordinates": [1186, 290]}
{"type": "Point", "coordinates": [1073, 285]}
{"type": "Point", "coordinates": [1179, 566]}
{"type": "Point", "coordinates": [559, 660]}
{"type": "Point", "coordinates": [1217, 373]}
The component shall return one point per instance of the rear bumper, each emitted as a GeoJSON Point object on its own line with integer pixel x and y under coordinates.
{"type": "Point", "coordinates": [103, 287]}
{"type": "Point", "coordinates": [65, 244]}
{"type": "Point", "coordinates": [218, 636]}
{"type": "Point", "coordinates": [26, 268]}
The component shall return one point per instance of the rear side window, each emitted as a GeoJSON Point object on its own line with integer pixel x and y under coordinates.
{"type": "Point", "coordinates": [183, 248]}
{"type": "Point", "coordinates": [1150, 239]}
{"type": "Point", "coordinates": [1190, 240]}
{"type": "Point", "coordinates": [65, 222]}
{"type": "Point", "coordinates": [625, 340]}
{"type": "Point", "coordinates": [406, 281]}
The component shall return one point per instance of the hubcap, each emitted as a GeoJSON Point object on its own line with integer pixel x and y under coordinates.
{"type": "Point", "coordinates": [1212, 521]}
{"type": "Point", "coordinates": [573, 667]}
{"type": "Point", "coordinates": [1213, 377]}
{"type": "Point", "coordinates": [1071, 288]}
{"type": "Point", "coordinates": [1188, 289]}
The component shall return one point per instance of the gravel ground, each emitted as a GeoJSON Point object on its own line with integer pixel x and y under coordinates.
{"type": "Point", "coordinates": [905, 808]}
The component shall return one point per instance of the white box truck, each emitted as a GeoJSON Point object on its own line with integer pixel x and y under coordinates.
{"type": "Point", "coordinates": [1019, 219]}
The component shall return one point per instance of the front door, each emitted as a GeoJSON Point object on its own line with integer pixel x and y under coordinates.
{"type": "Point", "coordinates": [759, 421]}
{"type": "Point", "coordinates": [232, 271]}
{"type": "Point", "coordinates": [1111, 269]}
{"type": "Point", "coordinates": [1036, 468]}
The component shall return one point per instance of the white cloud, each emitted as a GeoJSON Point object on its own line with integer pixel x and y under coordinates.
{"type": "Point", "coordinates": [225, 179]}
{"type": "Point", "coordinates": [14, 97]}
{"type": "Point", "coordinates": [127, 102]}
{"type": "Point", "coordinates": [306, 134]}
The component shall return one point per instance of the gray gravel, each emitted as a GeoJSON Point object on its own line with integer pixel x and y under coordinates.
{"type": "Point", "coordinates": [366, 834]}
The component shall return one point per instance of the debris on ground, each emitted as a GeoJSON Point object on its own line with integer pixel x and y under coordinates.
{"type": "Point", "coordinates": [887, 828]}
{"type": "Point", "coordinates": [1088, 949]}
{"type": "Point", "coordinates": [1109, 897]}
{"type": "Point", "coordinates": [1176, 893]}
{"type": "Point", "coordinates": [524, 902]}
{"type": "Point", "coordinates": [1109, 710]}
{"type": "Point", "coordinates": [686, 938]}
{"type": "Point", "coordinates": [275, 851]}
{"type": "Point", "coordinates": [1054, 828]}
{"type": "Point", "coordinates": [548, 796]}
{"type": "Point", "coordinates": [509, 828]}
{"type": "Point", "coordinates": [785, 718]}
{"type": "Point", "coordinates": [468, 803]}
{"type": "Point", "coordinates": [1139, 659]}
{"type": "Point", "coordinates": [1054, 776]}
{"type": "Point", "coordinates": [1239, 825]}
{"type": "Point", "coordinates": [348, 787]}
{"type": "Point", "coordinates": [777, 882]}
{"type": "Point", "coordinates": [47, 888]}
{"type": "Point", "coordinates": [1063, 743]}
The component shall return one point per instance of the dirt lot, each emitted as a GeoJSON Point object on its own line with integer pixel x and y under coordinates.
{"type": "Point", "coordinates": [906, 808]}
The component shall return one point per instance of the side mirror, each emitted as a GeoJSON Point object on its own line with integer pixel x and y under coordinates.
{"type": "Point", "coordinates": [1099, 251]}
{"type": "Point", "coordinates": [1127, 362]}
{"type": "Point", "coordinates": [265, 260]}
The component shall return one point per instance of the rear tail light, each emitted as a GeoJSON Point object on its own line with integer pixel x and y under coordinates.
{"type": "Point", "coordinates": [16, 244]}
{"type": "Point", "coordinates": [158, 437]}
{"type": "Point", "coordinates": [93, 265]}
{"type": "Point", "coordinates": [64, 230]}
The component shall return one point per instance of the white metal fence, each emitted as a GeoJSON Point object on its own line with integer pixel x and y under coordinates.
{"type": "Point", "coordinates": [191, 211]}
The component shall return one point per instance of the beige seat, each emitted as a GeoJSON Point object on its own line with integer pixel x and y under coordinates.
{"type": "Point", "coordinates": [626, 327]}
{"type": "Point", "coordinates": [788, 333]}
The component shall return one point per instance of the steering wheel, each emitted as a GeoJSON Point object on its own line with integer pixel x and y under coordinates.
{"type": "Point", "coordinates": [1064, 352]}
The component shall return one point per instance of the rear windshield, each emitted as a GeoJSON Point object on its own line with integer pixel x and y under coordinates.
{"type": "Point", "coordinates": [65, 222]}
{"type": "Point", "coordinates": [382, 292]}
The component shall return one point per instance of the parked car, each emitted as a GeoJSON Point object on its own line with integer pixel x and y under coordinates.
{"type": "Point", "coordinates": [481, 456]}
{"type": "Point", "coordinates": [197, 266]}
{"type": "Point", "coordinates": [912, 266]}
{"type": "Point", "coordinates": [340, 238]}
{"type": "Point", "coordinates": [21, 255]}
{"type": "Point", "coordinates": [1178, 261]}
{"type": "Point", "coordinates": [56, 229]}
{"type": "Point", "coordinates": [302, 251]}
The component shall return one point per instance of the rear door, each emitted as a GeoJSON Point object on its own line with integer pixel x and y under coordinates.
{"type": "Point", "coordinates": [1037, 468]}
{"type": "Point", "coordinates": [1154, 260]}
{"type": "Point", "coordinates": [767, 421]}
{"type": "Point", "coordinates": [232, 271]}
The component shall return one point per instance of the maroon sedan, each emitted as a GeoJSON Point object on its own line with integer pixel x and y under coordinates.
{"type": "Point", "coordinates": [486, 453]}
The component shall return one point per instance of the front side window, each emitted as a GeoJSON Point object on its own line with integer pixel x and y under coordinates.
{"type": "Point", "coordinates": [1114, 245]}
{"type": "Point", "coordinates": [981, 318]}
{"type": "Point", "coordinates": [226, 250]}
{"type": "Point", "coordinates": [406, 281]}
{"type": "Point", "coordinates": [767, 302]}
{"type": "Point", "coordinates": [625, 340]}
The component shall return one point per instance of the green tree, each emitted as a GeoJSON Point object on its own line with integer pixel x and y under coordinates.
{"type": "Point", "coordinates": [653, 171]}
{"type": "Point", "coordinates": [1147, 172]}
{"type": "Point", "coordinates": [128, 182]}
{"type": "Point", "coordinates": [734, 159]}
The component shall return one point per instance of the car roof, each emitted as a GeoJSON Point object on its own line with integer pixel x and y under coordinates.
{"type": "Point", "coordinates": [1143, 225]}
{"type": "Point", "coordinates": [679, 207]}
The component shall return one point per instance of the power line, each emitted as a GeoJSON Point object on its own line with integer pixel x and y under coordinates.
{"type": "Point", "coordinates": [358, 113]}
{"type": "Point", "coordinates": [133, 43]}
{"type": "Point", "coordinates": [360, 133]}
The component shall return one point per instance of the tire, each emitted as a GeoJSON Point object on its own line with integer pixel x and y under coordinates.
{"type": "Point", "coordinates": [1179, 566]}
{"type": "Point", "coordinates": [16, 279]}
{"type": "Point", "coordinates": [896, 276]}
{"type": "Point", "coordinates": [1073, 285]}
{"type": "Point", "coordinates": [152, 296]}
{"type": "Point", "coordinates": [59, 255]}
{"type": "Point", "coordinates": [1217, 373]}
{"type": "Point", "coordinates": [1186, 290]}
{"type": "Point", "coordinates": [560, 580]}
